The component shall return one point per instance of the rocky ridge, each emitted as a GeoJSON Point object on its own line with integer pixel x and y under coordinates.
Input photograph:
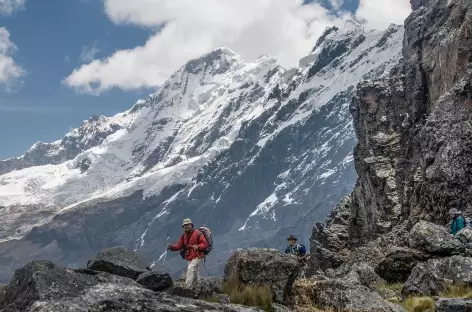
{"type": "Point", "coordinates": [413, 161]}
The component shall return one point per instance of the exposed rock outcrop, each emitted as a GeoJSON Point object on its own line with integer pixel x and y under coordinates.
{"type": "Point", "coordinates": [42, 286]}
{"type": "Point", "coordinates": [398, 263]}
{"type": "Point", "coordinates": [265, 267]}
{"type": "Point", "coordinates": [435, 240]}
{"type": "Point", "coordinates": [414, 145]}
{"type": "Point", "coordinates": [340, 295]}
{"type": "Point", "coordinates": [453, 305]}
{"type": "Point", "coordinates": [119, 261]}
{"type": "Point", "coordinates": [431, 277]}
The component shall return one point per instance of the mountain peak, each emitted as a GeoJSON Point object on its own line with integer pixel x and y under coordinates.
{"type": "Point", "coordinates": [219, 61]}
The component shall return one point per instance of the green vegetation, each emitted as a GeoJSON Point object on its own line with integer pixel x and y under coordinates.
{"type": "Point", "coordinates": [250, 295]}
{"type": "Point", "coordinates": [393, 286]}
{"type": "Point", "coordinates": [419, 304]}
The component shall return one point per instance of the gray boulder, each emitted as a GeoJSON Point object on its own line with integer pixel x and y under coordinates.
{"type": "Point", "coordinates": [397, 264]}
{"type": "Point", "coordinates": [155, 280]}
{"type": "Point", "coordinates": [119, 261]}
{"type": "Point", "coordinates": [266, 267]}
{"type": "Point", "coordinates": [453, 305]}
{"type": "Point", "coordinates": [41, 286]}
{"type": "Point", "coordinates": [113, 297]}
{"type": "Point", "coordinates": [465, 236]}
{"type": "Point", "coordinates": [431, 277]}
{"type": "Point", "coordinates": [207, 287]}
{"type": "Point", "coordinates": [43, 280]}
{"type": "Point", "coordinates": [434, 239]}
{"type": "Point", "coordinates": [363, 274]}
{"type": "Point", "coordinates": [341, 295]}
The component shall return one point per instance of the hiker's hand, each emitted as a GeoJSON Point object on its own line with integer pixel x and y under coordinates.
{"type": "Point", "coordinates": [195, 247]}
{"type": "Point", "coordinates": [168, 246]}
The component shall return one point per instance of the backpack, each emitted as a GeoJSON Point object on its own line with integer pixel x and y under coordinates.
{"type": "Point", "coordinates": [201, 230]}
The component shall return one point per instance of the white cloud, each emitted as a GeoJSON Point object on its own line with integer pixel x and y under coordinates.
{"type": "Point", "coordinates": [284, 29]}
{"type": "Point", "coordinates": [380, 13]}
{"type": "Point", "coordinates": [9, 70]}
{"type": "Point", "coordinates": [8, 6]}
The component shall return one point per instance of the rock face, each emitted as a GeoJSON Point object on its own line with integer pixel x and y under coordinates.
{"type": "Point", "coordinates": [414, 136]}
{"type": "Point", "coordinates": [42, 286]}
{"type": "Point", "coordinates": [120, 262]}
{"type": "Point", "coordinates": [429, 278]}
{"type": "Point", "coordinates": [252, 150]}
{"type": "Point", "coordinates": [264, 266]}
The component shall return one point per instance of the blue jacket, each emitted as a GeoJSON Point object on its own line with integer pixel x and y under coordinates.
{"type": "Point", "coordinates": [457, 224]}
{"type": "Point", "coordinates": [297, 249]}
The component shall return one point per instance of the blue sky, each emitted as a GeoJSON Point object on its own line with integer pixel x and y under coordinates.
{"type": "Point", "coordinates": [54, 37]}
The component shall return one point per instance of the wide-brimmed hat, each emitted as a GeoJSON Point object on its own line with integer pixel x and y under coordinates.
{"type": "Point", "coordinates": [187, 221]}
{"type": "Point", "coordinates": [454, 211]}
{"type": "Point", "coordinates": [292, 237]}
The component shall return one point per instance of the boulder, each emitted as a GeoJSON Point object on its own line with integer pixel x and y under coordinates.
{"type": "Point", "coordinates": [113, 297]}
{"type": "Point", "coordinates": [431, 277]}
{"type": "Point", "coordinates": [453, 305]}
{"type": "Point", "coordinates": [266, 267]}
{"type": "Point", "coordinates": [155, 280]}
{"type": "Point", "coordinates": [363, 274]}
{"type": "Point", "coordinates": [397, 264]}
{"type": "Point", "coordinates": [207, 287]}
{"type": "Point", "coordinates": [340, 295]}
{"type": "Point", "coordinates": [465, 236]}
{"type": "Point", "coordinates": [43, 280]}
{"type": "Point", "coordinates": [119, 261]}
{"type": "Point", "coordinates": [41, 286]}
{"type": "Point", "coordinates": [434, 239]}
{"type": "Point", "coordinates": [371, 255]}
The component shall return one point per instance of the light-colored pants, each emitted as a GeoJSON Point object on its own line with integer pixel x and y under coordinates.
{"type": "Point", "coordinates": [193, 272]}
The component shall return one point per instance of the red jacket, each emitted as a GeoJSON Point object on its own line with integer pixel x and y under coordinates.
{"type": "Point", "coordinates": [186, 241]}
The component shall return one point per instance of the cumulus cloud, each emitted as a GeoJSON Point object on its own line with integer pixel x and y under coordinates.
{"type": "Point", "coordinates": [185, 29]}
{"type": "Point", "coordinates": [9, 70]}
{"type": "Point", "coordinates": [8, 6]}
{"type": "Point", "coordinates": [379, 14]}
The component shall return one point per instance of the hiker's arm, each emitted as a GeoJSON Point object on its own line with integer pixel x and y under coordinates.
{"type": "Point", "coordinates": [178, 246]}
{"type": "Point", "coordinates": [202, 244]}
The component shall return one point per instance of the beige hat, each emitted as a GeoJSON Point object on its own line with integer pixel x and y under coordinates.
{"type": "Point", "coordinates": [187, 221]}
{"type": "Point", "coordinates": [454, 211]}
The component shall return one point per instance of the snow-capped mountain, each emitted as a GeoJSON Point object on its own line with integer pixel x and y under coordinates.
{"type": "Point", "coordinates": [251, 149]}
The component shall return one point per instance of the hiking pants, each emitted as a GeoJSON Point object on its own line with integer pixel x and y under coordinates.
{"type": "Point", "coordinates": [193, 272]}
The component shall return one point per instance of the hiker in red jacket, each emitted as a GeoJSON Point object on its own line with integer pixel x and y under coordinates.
{"type": "Point", "coordinates": [191, 245]}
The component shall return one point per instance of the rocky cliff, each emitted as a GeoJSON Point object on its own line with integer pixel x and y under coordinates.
{"type": "Point", "coordinates": [414, 152]}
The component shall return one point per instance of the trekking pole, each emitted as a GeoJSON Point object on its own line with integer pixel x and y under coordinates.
{"type": "Point", "coordinates": [165, 256]}
{"type": "Point", "coordinates": [204, 265]}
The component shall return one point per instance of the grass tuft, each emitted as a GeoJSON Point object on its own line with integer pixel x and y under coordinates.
{"type": "Point", "coordinates": [393, 286]}
{"type": "Point", "coordinates": [419, 304]}
{"type": "Point", "coordinates": [249, 294]}
{"type": "Point", "coordinates": [457, 291]}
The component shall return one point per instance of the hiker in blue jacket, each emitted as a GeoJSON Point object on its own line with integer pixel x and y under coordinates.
{"type": "Point", "coordinates": [299, 251]}
{"type": "Point", "coordinates": [294, 248]}
{"type": "Point", "coordinates": [458, 221]}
